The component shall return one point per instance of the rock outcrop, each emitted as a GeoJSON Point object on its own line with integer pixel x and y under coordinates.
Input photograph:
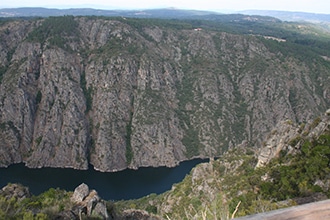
{"type": "Point", "coordinates": [118, 93]}
{"type": "Point", "coordinates": [235, 182]}
{"type": "Point", "coordinates": [88, 202]}
{"type": "Point", "coordinates": [286, 137]}
{"type": "Point", "coordinates": [15, 190]}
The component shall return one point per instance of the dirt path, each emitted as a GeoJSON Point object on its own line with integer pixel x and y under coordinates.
{"type": "Point", "coordinates": [315, 211]}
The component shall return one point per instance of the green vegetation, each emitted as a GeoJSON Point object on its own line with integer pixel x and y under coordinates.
{"type": "Point", "coordinates": [288, 181]}
{"type": "Point", "coordinates": [55, 30]}
{"type": "Point", "coordinates": [308, 35]}
{"type": "Point", "coordinates": [38, 140]}
{"type": "Point", "coordinates": [223, 188]}
{"type": "Point", "coordinates": [186, 97]}
{"type": "Point", "coordinates": [129, 152]}
{"type": "Point", "coordinates": [304, 34]}
{"type": "Point", "coordinates": [141, 23]}
{"type": "Point", "coordinates": [112, 48]}
{"type": "Point", "coordinates": [38, 97]}
{"type": "Point", "coordinates": [3, 70]}
{"type": "Point", "coordinates": [88, 92]}
{"type": "Point", "coordinates": [240, 188]}
{"type": "Point", "coordinates": [42, 207]}
{"type": "Point", "coordinates": [297, 35]}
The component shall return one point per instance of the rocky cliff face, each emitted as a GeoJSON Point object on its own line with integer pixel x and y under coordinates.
{"type": "Point", "coordinates": [288, 137]}
{"type": "Point", "coordinates": [237, 180]}
{"type": "Point", "coordinates": [119, 93]}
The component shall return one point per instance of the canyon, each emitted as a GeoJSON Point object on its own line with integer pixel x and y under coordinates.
{"type": "Point", "coordinates": [121, 93]}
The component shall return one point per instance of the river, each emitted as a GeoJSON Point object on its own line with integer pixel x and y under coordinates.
{"type": "Point", "coordinates": [126, 184]}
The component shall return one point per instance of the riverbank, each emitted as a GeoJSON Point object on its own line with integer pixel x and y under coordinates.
{"type": "Point", "coordinates": [122, 185]}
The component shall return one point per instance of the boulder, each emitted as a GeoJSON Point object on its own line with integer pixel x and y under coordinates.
{"type": "Point", "coordinates": [88, 202]}
{"type": "Point", "coordinates": [80, 193]}
{"type": "Point", "coordinates": [15, 190]}
{"type": "Point", "coordinates": [101, 209]}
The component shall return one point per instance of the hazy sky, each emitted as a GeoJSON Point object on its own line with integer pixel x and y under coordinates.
{"type": "Point", "coordinates": [317, 6]}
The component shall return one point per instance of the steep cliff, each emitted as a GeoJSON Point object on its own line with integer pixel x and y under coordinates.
{"type": "Point", "coordinates": [118, 93]}
{"type": "Point", "coordinates": [288, 137]}
{"type": "Point", "coordinates": [241, 182]}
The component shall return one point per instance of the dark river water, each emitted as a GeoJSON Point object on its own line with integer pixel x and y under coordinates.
{"type": "Point", "coordinates": [126, 184]}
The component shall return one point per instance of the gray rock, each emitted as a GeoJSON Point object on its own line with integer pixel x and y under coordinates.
{"type": "Point", "coordinates": [119, 97]}
{"type": "Point", "coordinates": [15, 190]}
{"type": "Point", "coordinates": [286, 137]}
{"type": "Point", "coordinates": [88, 202]}
{"type": "Point", "coordinates": [101, 210]}
{"type": "Point", "coordinates": [80, 193]}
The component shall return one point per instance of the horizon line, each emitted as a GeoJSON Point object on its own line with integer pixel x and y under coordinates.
{"type": "Point", "coordinates": [153, 8]}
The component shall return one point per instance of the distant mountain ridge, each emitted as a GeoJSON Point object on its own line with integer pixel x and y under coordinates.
{"type": "Point", "coordinates": [290, 16]}
{"type": "Point", "coordinates": [157, 13]}
{"type": "Point", "coordinates": [151, 13]}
